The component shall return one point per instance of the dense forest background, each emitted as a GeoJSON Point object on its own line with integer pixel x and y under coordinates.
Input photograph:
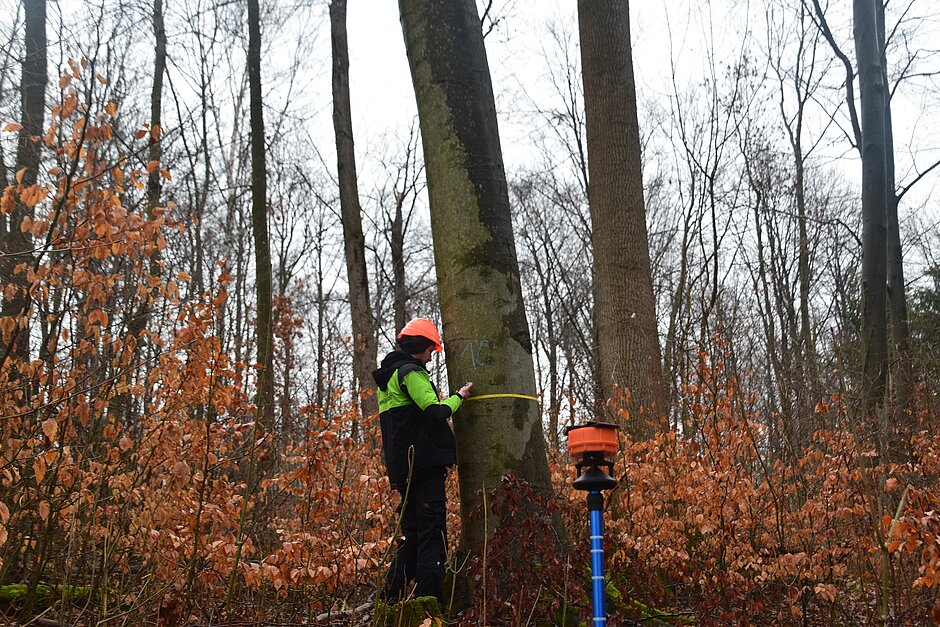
{"type": "Point", "coordinates": [200, 268]}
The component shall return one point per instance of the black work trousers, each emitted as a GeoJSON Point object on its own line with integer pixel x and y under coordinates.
{"type": "Point", "coordinates": [422, 549]}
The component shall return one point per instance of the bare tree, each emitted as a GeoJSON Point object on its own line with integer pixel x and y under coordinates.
{"type": "Point", "coordinates": [628, 339]}
{"type": "Point", "coordinates": [874, 209]}
{"type": "Point", "coordinates": [363, 327]}
{"type": "Point", "coordinates": [898, 330]}
{"type": "Point", "coordinates": [485, 328]}
{"type": "Point", "coordinates": [259, 224]}
{"type": "Point", "coordinates": [16, 245]}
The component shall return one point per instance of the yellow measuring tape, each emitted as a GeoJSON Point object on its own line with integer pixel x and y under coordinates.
{"type": "Point", "coordinates": [522, 396]}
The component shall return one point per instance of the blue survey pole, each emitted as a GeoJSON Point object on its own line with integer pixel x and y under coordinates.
{"type": "Point", "coordinates": [598, 584]}
{"type": "Point", "coordinates": [589, 445]}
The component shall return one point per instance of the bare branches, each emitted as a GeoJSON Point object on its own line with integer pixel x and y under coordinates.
{"type": "Point", "coordinates": [823, 25]}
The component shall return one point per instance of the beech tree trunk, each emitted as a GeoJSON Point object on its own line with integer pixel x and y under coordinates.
{"type": "Point", "coordinates": [363, 326]}
{"type": "Point", "coordinates": [628, 342]}
{"type": "Point", "coordinates": [899, 328]}
{"type": "Point", "coordinates": [259, 224]}
{"type": "Point", "coordinates": [16, 245]}
{"type": "Point", "coordinates": [874, 210]}
{"type": "Point", "coordinates": [484, 321]}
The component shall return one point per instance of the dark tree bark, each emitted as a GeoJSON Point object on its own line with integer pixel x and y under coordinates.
{"type": "Point", "coordinates": [484, 319]}
{"type": "Point", "coordinates": [871, 14]}
{"type": "Point", "coordinates": [899, 329]}
{"type": "Point", "coordinates": [155, 149]}
{"type": "Point", "coordinates": [363, 326]}
{"type": "Point", "coordinates": [628, 342]}
{"type": "Point", "coordinates": [874, 209]}
{"type": "Point", "coordinates": [121, 405]}
{"type": "Point", "coordinates": [259, 224]}
{"type": "Point", "coordinates": [397, 247]}
{"type": "Point", "coordinates": [16, 245]}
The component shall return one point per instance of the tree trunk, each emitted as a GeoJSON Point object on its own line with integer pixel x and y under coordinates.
{"type": "Point", "coordinates": [363, 327]}
{"type": "Point", "coordinates": [154, 181]}
{"type": "Point", "coordinates": [897, 297]}
{"type": "Point", "coordinates": [874, 210]}
{"type": "Point", "coordinates": [16, 245]}
{"type": "Point", "coordinates": [627, 334]}
{"type": "Point", "coordinates": [259, 224]}
{"type": "Point", "coordinates": [484, 319]}
{"type": "Point", "coordinates": [121, 405]}
{"type": "Point", "coordinates": [399, 288]}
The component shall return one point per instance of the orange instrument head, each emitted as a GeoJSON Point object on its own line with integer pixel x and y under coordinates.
{"type": "Point", "coordinates": [592, 437]}
{"type": "Point", "coordinates": [592, 447]}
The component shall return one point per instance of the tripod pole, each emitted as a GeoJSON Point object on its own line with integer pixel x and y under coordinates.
{"type": "Point", "coordinates": [596, 508]}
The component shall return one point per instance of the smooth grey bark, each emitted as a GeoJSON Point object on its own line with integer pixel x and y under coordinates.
{"type": "Point", "coordinates": [484, 321]}
{"type": "Point", "coordinates": [259, 224]}
{"type": "Point", "coordinates": [363, 326]}
{"type": "Point", "coordinates": [871, 13]}
{"type": "Point", "coordinates": [628, 341]}
{"type": "Point", "coordinates": [874, 325]}
{"type": "Point", "coordinates": [899, 329]}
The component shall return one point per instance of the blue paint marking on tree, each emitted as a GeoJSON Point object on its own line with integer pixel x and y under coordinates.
{"type": "Point", "coordinates": [479, 351]}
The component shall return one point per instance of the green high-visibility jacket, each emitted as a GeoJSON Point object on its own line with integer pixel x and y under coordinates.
{"type": "Point", "coordinates": [415, 432]}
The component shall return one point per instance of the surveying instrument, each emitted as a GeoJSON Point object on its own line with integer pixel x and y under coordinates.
{"type": "Point", "coordinates": [592, 447]}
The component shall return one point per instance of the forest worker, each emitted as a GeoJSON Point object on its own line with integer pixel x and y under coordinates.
{"type": "Point", "coordinates": [419, 447]}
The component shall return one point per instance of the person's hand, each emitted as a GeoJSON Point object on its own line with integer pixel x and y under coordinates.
{"type": "Point", "coordinates": [464, 392]}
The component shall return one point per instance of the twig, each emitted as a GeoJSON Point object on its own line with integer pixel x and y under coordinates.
{"type": "Point", "coordinates": [347, 613]}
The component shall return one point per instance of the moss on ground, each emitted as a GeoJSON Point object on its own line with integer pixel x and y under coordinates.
{"type": "Point", "coordinates": [408, 613]}
{"type": "Point", "coordinates": [17, 592]}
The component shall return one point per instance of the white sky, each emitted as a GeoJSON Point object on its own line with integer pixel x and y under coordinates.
{"type": "Point", "coordinates": [383, 100]}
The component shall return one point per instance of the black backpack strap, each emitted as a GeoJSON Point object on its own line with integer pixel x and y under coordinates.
{"type": "Point", "coordinates": [403, 371]}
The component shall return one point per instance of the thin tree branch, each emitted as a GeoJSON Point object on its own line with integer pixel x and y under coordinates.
{"type": "Point", "coordinates": [917, 179]}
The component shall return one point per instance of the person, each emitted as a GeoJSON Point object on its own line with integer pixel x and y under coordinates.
{"type": "Point", "coordinates": [419, 447]}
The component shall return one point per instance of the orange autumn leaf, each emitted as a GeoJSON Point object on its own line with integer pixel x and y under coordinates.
{"type": "Point", "coordinates": [51, 428]}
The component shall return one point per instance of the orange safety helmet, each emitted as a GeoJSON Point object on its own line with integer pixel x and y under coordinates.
{"type": "Point", "coordinates": [422, 327]}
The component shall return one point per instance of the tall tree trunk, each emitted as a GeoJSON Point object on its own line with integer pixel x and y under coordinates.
{"type": "Point", "coordinates": [554, 402]}
{"type": "Point", "coordinates": [121, 406]}
{"type": "Point", "coordinates": [360, 307]}
{"type": "Point", "coordinates": [155, 147]}
{"type": "Point", "coordinates": [16, 245]}
{"type": "Point", "coordinates": [626, 317]}
{"type": "Point", "coordinates": [801, 76]}
{"type": "Point", "coordinates": [259, 224]}
{"type": "Point", "coordinates": [484, 319]}
{"type": "Point", "coordinates": [897, 297]}
{"type": "Point", "coordinates": [321, 321]}
{"type": "Point", "coordinates": [397, 239]}
{"type": "Point", "coordinates": [874, 210]}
